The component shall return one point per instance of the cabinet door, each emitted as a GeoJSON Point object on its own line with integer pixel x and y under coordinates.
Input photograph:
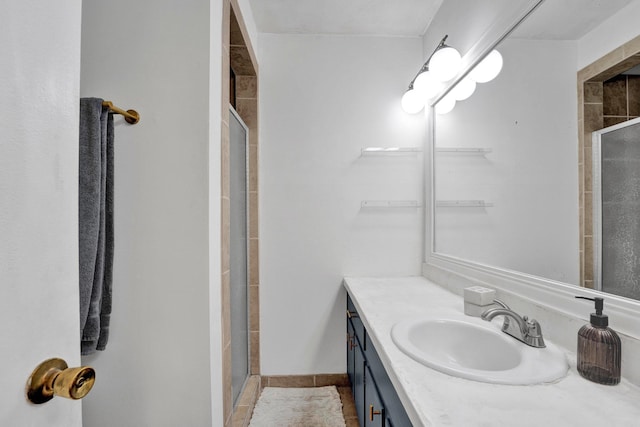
{"type": "Point", "coordinates": [375, 414]}
{"type": "Point", "coordinates": [358, 327]}
{"type": "Point", "coordinates": [392, 404]}
{"type": "Point", "coordinates": [351, 351]}
{"type": "Point", "coordinates": [358, 384]}
{"type": "Point", "coordinates": [388, 422]}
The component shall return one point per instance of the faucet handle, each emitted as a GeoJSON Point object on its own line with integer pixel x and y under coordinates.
{"type": "Point", "coordinates": [533, 326]}
{"type": "Point", "coordinates": [534, 333]}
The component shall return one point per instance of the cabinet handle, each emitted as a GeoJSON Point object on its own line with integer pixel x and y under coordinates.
{"type": "Point", "coordinates": [350, 341]}
{"type": "Point", "coordinates": [351, 314]}
{"type": "Point", "coordinates": [372, 412]}
{"type": "Point", "coordinates": [352, 345]}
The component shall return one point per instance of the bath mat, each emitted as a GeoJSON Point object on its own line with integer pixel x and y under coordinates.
{"type": "Point", "coordinates": [298, 407]}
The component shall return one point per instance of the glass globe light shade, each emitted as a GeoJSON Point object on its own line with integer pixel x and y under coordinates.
{"type": "Point", "coordinates": [427, 84]}
{"type": "Point", "coordinates": [412, 101]}
{"type": "Point", "coordinates": [445, 63]}
{"type": "Point", "coordinates": [488, 68]}
{"type": "Point", "coordinates": [464, 89]}
{"type": "Point", "coordinates": [446, 104]}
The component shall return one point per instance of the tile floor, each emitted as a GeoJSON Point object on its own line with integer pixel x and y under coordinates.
{"type": "Point", "coordinates": [348, 407]}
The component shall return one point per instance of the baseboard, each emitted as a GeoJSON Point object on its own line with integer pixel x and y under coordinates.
{"type": "Point", "coordinates": [315, 380]}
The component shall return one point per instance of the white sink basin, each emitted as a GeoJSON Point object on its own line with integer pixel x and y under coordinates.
{"type": "Point", "coordinates": [471, 348]}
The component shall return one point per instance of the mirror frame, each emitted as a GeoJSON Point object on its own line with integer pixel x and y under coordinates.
{"type": "Point", "coordinates": [456, 273]}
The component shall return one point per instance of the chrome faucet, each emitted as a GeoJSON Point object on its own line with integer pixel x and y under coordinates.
{"type": "Point", "coordinates": [525, 330]}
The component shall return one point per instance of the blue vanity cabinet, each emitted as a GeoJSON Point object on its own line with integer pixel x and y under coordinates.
{"type": "Point", "coordinates": [377, 403]}
{"type": "Point", "coordinates": [355, 360]}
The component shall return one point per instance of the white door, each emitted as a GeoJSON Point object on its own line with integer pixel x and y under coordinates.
{"type": "Point", "coordinates": [39, 89]}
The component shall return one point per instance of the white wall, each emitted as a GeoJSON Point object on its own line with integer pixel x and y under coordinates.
{"type": "Point", "coordinates": [528, 117]}
{"type": "Point", "coordinates": [215, 212]}
{"type": "Point", "coordinates": [39, 86]}
{"type": "Point", "coordinates": [611, 34]}
{"type": "Point", "coordinates": [322, 99]}
{"type": "Point", "coordinates": [162, 364]}
{"type": "Point", "coordinates": [249, 22]}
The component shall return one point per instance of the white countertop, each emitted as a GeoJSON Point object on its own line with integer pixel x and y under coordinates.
{"type": "Point", "coordinates": [435, 399]}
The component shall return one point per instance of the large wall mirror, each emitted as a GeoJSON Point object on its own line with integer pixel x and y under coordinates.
{"type": "Point", "coordinates": [508, 175]}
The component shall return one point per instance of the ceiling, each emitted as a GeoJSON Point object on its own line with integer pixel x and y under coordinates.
{"type": "Point", "coordinates": [567, 19]}
{"type": "Point", "coordinates": [357, 17]}
{"type": "Point", "coordinates": [553, 20]}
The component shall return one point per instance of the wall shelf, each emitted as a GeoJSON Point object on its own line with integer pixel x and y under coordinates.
{"type": "Point", "coordinates": [463, 150]}
{"type": "Point", "coordinates": [390, 204]}
{"type": "Point", "coordinates": [389, 151]}
{"type": "Point", "coordinates": [463, 204]}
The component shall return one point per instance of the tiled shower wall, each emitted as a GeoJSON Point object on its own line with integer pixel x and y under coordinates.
{"type": "Point", "coordinates": [621, 99]}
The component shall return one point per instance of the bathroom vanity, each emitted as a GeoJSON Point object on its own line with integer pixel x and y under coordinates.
{"type": "Point", "coordinates": [377, 402]}
{"type": "Point", "coordinates": [391, 388]}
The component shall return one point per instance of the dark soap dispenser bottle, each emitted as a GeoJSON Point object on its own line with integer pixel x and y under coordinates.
{"type": "Point", "coordinates": [599, 348]}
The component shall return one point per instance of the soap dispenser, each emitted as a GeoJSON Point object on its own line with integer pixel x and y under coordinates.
{"type": "Point", "coordinates": [599, 348]}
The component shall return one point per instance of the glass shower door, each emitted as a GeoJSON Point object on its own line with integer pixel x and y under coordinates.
{"type": "Point", "coordinates": [616, 181]}
{"type": "Point", "coordinates": [238, 142]}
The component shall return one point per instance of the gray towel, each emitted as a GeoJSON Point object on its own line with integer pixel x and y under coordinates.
{"type": "Point", "coordinates": [95, 223]}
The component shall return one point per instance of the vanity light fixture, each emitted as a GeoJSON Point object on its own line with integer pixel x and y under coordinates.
{"type": "Point", "coordinates": [412, 101]}
{"type": "Point", "coordinates": [428, 82]}
{"type": "Point", "coordinates": [488, 68]}
{"type": "Point", "coordinates": [443, 65]}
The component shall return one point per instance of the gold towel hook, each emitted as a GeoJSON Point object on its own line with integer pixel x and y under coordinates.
{"type": "Point", "coordinates": [53, 377]}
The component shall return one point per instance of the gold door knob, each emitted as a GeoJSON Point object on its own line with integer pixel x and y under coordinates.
{"type": "Point", "coordinates": [54, 378]}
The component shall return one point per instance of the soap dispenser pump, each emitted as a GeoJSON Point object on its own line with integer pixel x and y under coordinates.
{"type": "Point", "coordinates": [599, 348]}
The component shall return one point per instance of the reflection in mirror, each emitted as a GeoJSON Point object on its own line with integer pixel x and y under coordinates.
{"type": "Point", "coordinates": [616, 152]}
{"type": "Point", "coordinates": [504, 202]}
{"type": "Point", "coordinates": [508, 185]}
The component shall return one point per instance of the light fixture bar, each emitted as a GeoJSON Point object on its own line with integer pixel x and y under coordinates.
{"type": "Point", "coordinates": [438, 74]}
{"type": "Point", "coordinates": [425, 66]}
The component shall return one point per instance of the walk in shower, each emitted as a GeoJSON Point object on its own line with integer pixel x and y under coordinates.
{"type": "Point", "coordinates": [616, 209]}
{"type": "Point", "coordinates": [238, 142]}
